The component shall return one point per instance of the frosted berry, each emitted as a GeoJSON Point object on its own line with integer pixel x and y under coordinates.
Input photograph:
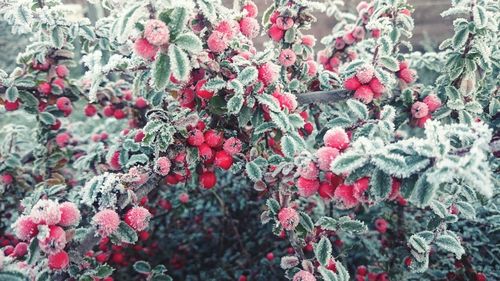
{"type": "Point", "coordinates": [62, 71]}
{"type": "Point", "coordinates": [58, 260]}
{"type": "Point", "coordinates": [11, 106]}
{"type": "Point", "coordinates": [361, 270]}
{"type": "Point", "coordinates": [287, 57]}
{"type": "Point", "coordinates": [419, 109]}
{"type": "Point", "coordinates": [213, 138]}
{"type": "Point", "coordinates": [304, 276]}
{"type": "Point", "coordinates": [195, 137]}
{"type": "Point", "coordinates": [276, 33]}
{"type": "Point", "coordinates": [45, 211]}
{"type": "Point", "coordinates": [270, 256]}
{"type": "Point", "coordinates": [381, 225]}
{"type": "Point", "coordinates": [249, 27]}
{"type": "Point", "coordinates": [184, 198]}
{"type": "Point", "coordinates": [433, 102]}
{"type": "Point", "coordinates": [344, 194]}
{"type": "Point", "coordinates": [326, 190]}
{"type": "Point", "coordinates": [90, 110]}
{"type": "Point", "coordinates": [408, 75]}
{"type": "Point", "coordinates": [138, 218]}
{"type": "Point", "coordinates": [284, 23]}
{"type": "Point", "coordinates": [25, 228]}
{"type": "Point", "coordinates": [408, 261]}
{"type": "Point", "coordinates": [376, 87]}
{"type": "Point", "coordinates": [70, 215]}
{"type": "Point", "coordinates": [163, 165]}
{"type": "Point", "coordinates": [45, 88]}
{"type": "Point", "coordinates": [268, 73]}
{"type": "Point", "coordinates": [232, 145]}
{"type": "Point", "coordinates": [55, 240]}
{"type": "Point", "coordinates": [119, 114]}
{"type": "Point", "coordinates": [141, 103]}
{"type": "Point", "coordinates": [337, 138]}
{"type": "Point", "coordinates": [312, 68]}
{"type": "Point", "coordinates": [206, 153]}
{"type": "Point", "coordinates": [106, 222]}
{"type": "Point", "coordinates": [348, 38]}
{"type": "Point", "coordinates": [308, 40]}
{"type": "Point", "coordinates": [145, 49]}
{"type": "Point", "coordinates": [223, 160]}
{"type": "Point", "coordinates": [325, 157]}
{"type": "Point", "coordinates": [364, 94]}
{"type": "Point", "coordinates": [288, 218]}
{"type": "Point", "coordinates": [228, 27]}
{"type": "Point", "coordinates": [360, 188]}
{"type": "Point", "coordinates": [358, 32]}
{"type": "Point", "coordinates": [307, 187]}
{"type": "Point", "coordinates": [308, 171]}
{"type": "Point", "coordinates": [480, 276]}
{"type": "Point", "coordinates": [7, 179]}
{"type": "Point", "coordinates": [63, 104]}
{"type": "Point", "coordinates": [114, 162]}
{"type": "Point", "coordinates": [156, 32]}
{"type": "Point", "coordinates": [217, 42]}
{"type": "Point", "coordinates": [251, 9]}
{"type": "Point", "coordinates": [208, 179]}
{"type": "Point", "coordinates": [108, 110]}
{"type": "Point", "coordinates": [352, 83]}
{"type": "Point", "coordinates": [20, 250]}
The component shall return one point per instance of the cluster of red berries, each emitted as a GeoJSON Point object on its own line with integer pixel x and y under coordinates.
{"type": "Point", "coordinates": [365, 84]}
{"type": "Point", "coordinates": [362, 274]}
{"type": "Point", "coordinates": [119, 106]}
{"type": "Point", "coordinates": [214, 151]}
{"type": "Point", "coordinates": [405, 73]}
{"type": "Point", "coordinates": [421, 110]}
{"type": "Point", "coordinates": [280, 23]}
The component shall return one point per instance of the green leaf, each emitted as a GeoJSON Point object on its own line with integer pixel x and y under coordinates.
{"type": "Point", "coordinates": [142, 267]}
{"type": "Point", "coordinates": [254, 172]}
{"type": "Point", "coordinates": [104, 271]}
{"type": "Point", "coordinates": [327, 223]}
{"type": "Point", "coordinates": [480, 18]}
{"type": "Point", "coordinates": [390, 163]}
{"type": "Point", "coordinates": [380, 185]}
{"type": "Point", "coordinates": [347, 162]}
{"type": "Point", "coordinates": [451, 244]}
{"type": "Point", "coordinates": [125, 233]}
{"type": "Point", "coordinates": [214, 84]}
{"type": "Point", "coordinates": [290, 35]}
{"type": "Point", "coordinates": [460, 37]}
{"type": "Point", "coordinates": [349, 225]}
{"type": "Point", "coordinates": [177, 20]}
{"type": "Point", "coordinates": [235, 103]}
{"type": "Point", "coordinates": [359, 109]}
{"type": "Point", "coordinates": [288, 146]}
{"type": "Point", "coordinates": [12, 94]}
{"type": "Point", "coordinates": [281, 120]}
{"type": "Point", "coordinates": [323, 250]}
{"type": "Point", "coordinates": [390, 63]}
{"type": "Point", "coordinates": [161, 71]}
{"type": "Point", "coordinates": [419, 244]}
{"type": "Point", "coordinates": [269, 101]}
{"type": "Point", "coordinates": [179, 62]}
{"type": "Point", "coordinates": [306, 221]}
{"type": "Point", "coordinates": [273, 206]}
{"type": "Point", "coordinates": [423, 192]}
{"type": "Point", "coordinates": [466, 209]}
{"type": "Point", "coordinates": [11, 275]}
{"type": "Point", "coordinates": [248, 75]}
{"type": "Point", "coordinates": [47, 118]}
{"type": "Point", "coordinates": [33, 251]}
{"type": "Point", "coordinates": [189, 42]}
{"type": "Point", "coordinates": [57, 36]}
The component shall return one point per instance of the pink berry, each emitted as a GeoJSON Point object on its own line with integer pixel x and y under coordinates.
{"type": "Point", "coordinates": [326, 190]}
{"type": "Point", "coordinates": [337, 138]}
{"type": "Point", "coordinates": [11, 106]}
{"type": "Point", "coordinates": [163, 165]}
{"type": "Point", "coordinates": [433, 102]}
{"type": "Point", "coordinates": [46, 211]}
{"type": "Point", "coordinates": [70, 215]}
{"type": "Point", "coordinates": [223, 160]}
{"type": "Point", "coordinates": [228, 27]}
{"type": "Point", "coordinates": [206, 153]}
{"type": "Point", "coordinates": [408, 75]}
{"type": "Point", "coordinates": [141, 103]}
{"type": "Point", "coordinates": [55, 241]}
{"type": "Point", "coordinates": [308, 40]}
{"type": "Point", "coordinates": [232, 145]}
{"type": "Point", "coordinates": [114, 162]}
{"type": "Point", "coordinates": [58, 260]}
{"type": "Point", "coordinates": [20, 250]}
{"type": "Point", "coordinates": [358, 32]}
{"type": "Point", "coordinates": [106, 222]}
{"type": "Point", "coordinates": [365, 74]}
{"type": "Point", "coordinates": [344, 194]}
{"type": "Point", "coordinates": [119, 114]}
{"type": "Point", "coordinates": [184, 198]}
{"type": "Point", "coordinates": [202, 93]}
{"type": "Point", "coordinates": [108, 110]}
{"type": "Point", "coordinates": [156, 32]}
{"type": "Point", "coordinates": [348, 38]}
{"type": "Point", "coordinates": [304, 276]}
{"type": "Point", "coordinates": [339, 43]}
{"type": "Point", "coordinates": [352, 83]}
{"type": "Point", "coordinates": [44, 88]}
{"type": "Point", "coordinates": [364, 94]}
{"type": "Point", "coordinates": [270, 256]}
{"type": "Point", "coordinates": [288, 218]}
{"type": "Point", "coordinates": [139, 136]}
{"type": "Point", "coordinates": [275, 33]}
{"type": "Point", "coordinates": [145, 49]}
{"type": "Point", "coordinates": [312, 68]}
{"type": "Point", "coordinates": [251, 9]}
{"type": "Point", "coordinates": [25, 228]}
{"type": "Point", "coordinates": [360, 188]}
{"type": "Point", "coordinates": [376, 87]}
{"type": "Point", "coordinates": [62, 71]}
{"type": "Point", "coordinates": [217, 42]}
{"type": "Point", "coordinates": [213, 138]}
{"type": "Point", "coordinates": [195, 137]}
{"type": "Point", "coordinates": [90, 110]}
{"type": "Point", "coordinates": [381, 225]}
{"type": "Point", "coordinates": [249, 27]}
{"type": "Point", "coordinates": [62, 139]}
{"type": "Point", "coordinates": [307, 187]}
{"type": "Point", "coordinates": [268, 73]}
{"type": "Point", "coordinates": [63, 104]}
{"type": "Point", "coordinates": [308, 171]}
{"type": "Point", "coordinates": [287, 57]}
{"type": "Point", "coordinates": [361, 270]}
{"type": "Point", "coordinates": [325, 157]}
{"type": "Point", "coordinates": [208, 179]}
{"type": "Point", "coordinates": [419, 109]}
{"type": "Point", "coordinates": [138, 218]}
{"type": "Point", "coordinates": [284, 23]}
{"type": "Point", "coordinates": [7, 178]}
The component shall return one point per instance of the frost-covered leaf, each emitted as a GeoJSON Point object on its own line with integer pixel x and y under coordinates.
{"type": "Point", "coordinates": [235, 103]}
{"type": "Point", "coordinates": [390, 63]}
{"type": "Point", "coordinates": [323, 250]}
{"type": "Point", "coordinates": [253, 170]}
{"type": "Point", "coordinates": [380, 185]}
{"type": "Point", "coordinates": [289, 262]}
{"type": "Point", "coordinates": [189, 42]}
{"type": "Point", "coordinates": [161, 71]}
{"type": "Point", "coordinates": [347, 162]}
{"type": "Point", "coordinates": [288, 146]}
{"type": "Point", "coordinates": [359, 109]}
{"type": "Point", "coordinates": [248, 75]}
{"type": "Point", "coordinates": [451, 244]}
{"type": "Point", "coordinates": [179, 62]}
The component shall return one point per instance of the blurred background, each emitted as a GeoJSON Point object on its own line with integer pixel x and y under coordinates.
{"type": "Point", "coordinates": [430, 28]}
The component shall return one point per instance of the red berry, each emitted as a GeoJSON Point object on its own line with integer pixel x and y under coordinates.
{"type": "Point", "coordinates": [90, 110]}
{"type": "Point", "coordinates": [205, 152]}
{"type": "Point", "coordinates": [326, 190]}
{"type": "Point", "coordinates": [63, 104]}
{"type": "Point", "coordinates": [364, 94]}
{"type": "Point", "coordinates": [202, 93]}
{"type": "Point", "coordinates": [275, 33]}
{"type": "Point", "coordinates": [213, 138]}
{"type": "Point", "coordinates": [270, 256]}
{"type": "Point", "coordinates": [11, 106]}
{"type": "Point", "coordinates": [480, 276]}
{"type": "Point", "coordinates": [141, 103]}
{"type": "Point", "coordinates": [62, 71]}
{"type": "Point", "coordinates": [45, 88]}
{"type": "Point", "coordinates": [223, 160]}
{"type": "Point", "coordinates": [352, 83]}
{"type": "Point", "coordinates": [108, 110]}
{"type": "Point", "coordinates": [59, 260]}
{"type": "Point", "coordinates": [119, 114]}
{"type": "Point", "coordinates": [208, 179]}
{"type": "Point", "coordinates": [408, 261]}
{"type": "Point", "coordinates": [361, 270]}
{"type": "Point", "coordinates": [195, 137]}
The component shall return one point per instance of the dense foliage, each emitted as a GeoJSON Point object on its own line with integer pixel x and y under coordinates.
{"type": "Point", "coordinates": [159, 143]}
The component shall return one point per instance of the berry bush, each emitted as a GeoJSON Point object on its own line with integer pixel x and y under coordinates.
{"type": "Point", "coordinates": [157, 142]}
